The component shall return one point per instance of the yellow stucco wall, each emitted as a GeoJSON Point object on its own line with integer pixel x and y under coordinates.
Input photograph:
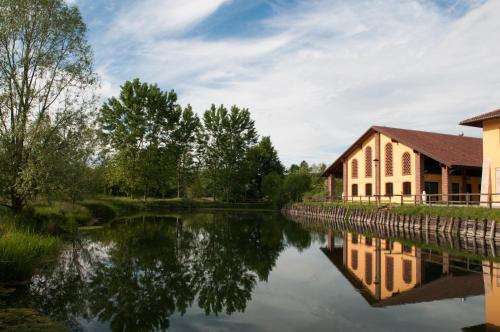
{"type": "Point", "coordinates": [397, 178]}
{"type": "Point", "coordinates": [491, 152]}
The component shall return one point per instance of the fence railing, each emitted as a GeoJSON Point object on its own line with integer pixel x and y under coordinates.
{"type": "Point", "coordinates": [456, 199]}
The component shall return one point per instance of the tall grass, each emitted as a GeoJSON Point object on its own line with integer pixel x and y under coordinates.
{"type": "Point", "coordinates": [21, 249]}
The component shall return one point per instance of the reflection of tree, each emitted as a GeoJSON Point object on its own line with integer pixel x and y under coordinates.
{"type": "Point", "coordinates": [135, 274]}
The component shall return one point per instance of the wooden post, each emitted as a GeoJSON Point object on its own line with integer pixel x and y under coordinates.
{"type": "Point", "coordinates": [401, 200]}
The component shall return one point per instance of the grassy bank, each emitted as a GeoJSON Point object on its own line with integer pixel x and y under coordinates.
{"type": "Point", "coordinates": [443, 211]}
{"type": "Point", "coordinates": [22, 249]}
{"type": "Point", "coordinates": [107, 207]}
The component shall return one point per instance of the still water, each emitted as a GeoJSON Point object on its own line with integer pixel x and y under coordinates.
{"type": "Point", "coordinates": [259, 272]}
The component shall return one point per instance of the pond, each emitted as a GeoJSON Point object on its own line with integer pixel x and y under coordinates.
{"type": "Point", "coordinates": [258, 272]}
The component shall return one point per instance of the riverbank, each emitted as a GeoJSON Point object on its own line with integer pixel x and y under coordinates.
{"type": "Point", "coordinates": [34, 236]}
{"type": "Point", "coordinates": [422, 210]}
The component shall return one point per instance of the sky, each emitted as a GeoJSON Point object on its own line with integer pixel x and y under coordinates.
{"type": "Point", "coordinates": [315, 74]}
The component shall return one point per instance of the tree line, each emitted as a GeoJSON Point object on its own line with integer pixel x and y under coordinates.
{"type": "Point", "coordinates": [56, 141]}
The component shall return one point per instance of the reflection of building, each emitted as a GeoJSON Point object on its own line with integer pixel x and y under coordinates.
{"type": "Point", "coordinates": [490, 122]}
{"type": "Point", "coordinates": [388, 273]}
{"type": "Point", "coordinates": [491, 275]}
{"type": "Point", "coordinates": [392, 161]}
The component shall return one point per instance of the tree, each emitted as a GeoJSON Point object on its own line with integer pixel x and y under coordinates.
{"type": "Point", "coordinates": [139, 132]}
{"type": "Point", "coordinates": [262, 159]}
{"type": "Point", "coordinates": [185, 140]}
{"type": "Point", "coordinates": [45, 75]}
{"type": "Point", "coordinates": [224, 141]}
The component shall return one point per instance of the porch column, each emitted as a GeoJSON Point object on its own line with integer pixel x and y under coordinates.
{"type": "Point", "coordinates": [463, 185]}
{"type": "Point", "coordinates": [377, 166]}
{"type": "Point", "coordinates": [445, 183]}
{"type": "Point", "coordinates": [419, 176]}
{"type": "Point", "coordinates": [345, 177]}
{"type": "Point", "coordinates": [331, 186]}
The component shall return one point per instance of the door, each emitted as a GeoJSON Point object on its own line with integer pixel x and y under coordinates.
{"type": "Point", "coordinates": [431, 188]}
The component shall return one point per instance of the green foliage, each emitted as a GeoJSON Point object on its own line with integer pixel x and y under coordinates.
{"type": "Point", "coordinates": [261, 160]}
{"type": "Point", "coordinates": [46, 66]}
{"type": "Point", "coordinates": [224, 141]}
{"type": "Point", "coordinates": [21, 250]}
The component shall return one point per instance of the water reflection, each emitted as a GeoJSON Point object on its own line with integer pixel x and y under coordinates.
{"type": "Point", "coordinates": [391, 273]}
{"type": "Point", "coordinates": [237, 271]}
{"type": "Point", "coordinates": [138, 272]}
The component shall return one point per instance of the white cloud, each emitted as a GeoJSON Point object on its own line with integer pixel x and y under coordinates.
{"type": "Point", "coordinates": [148, 18]}
{"type": "Point", "coordinates": [327, 70]}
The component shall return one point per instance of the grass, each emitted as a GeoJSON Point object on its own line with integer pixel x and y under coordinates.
{"type": "Point", "coordinates": [22, 249]}
{"type": "Point", "coordinates": [108, 207]}
{"type": "Point", "coordinates": [442, 211]}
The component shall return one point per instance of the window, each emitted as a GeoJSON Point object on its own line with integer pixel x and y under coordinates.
{"type": "Point", "coordinates": [368, 162]}
{"type": "Point", "coordinates": [354, 190]}
{"type": "Point", "coordinates": [368, 189]}
{"type": "Point", "coordinates": [389, 273]}
{"type": "Point", "coordinates": [407, 188]}
{"type": "Point", "coordinates": [388, 160]}
{"type": "Point", "coordinates": [368, 268]}
{"type": "Point", "coordinates": [455, 190]}
{"type": "Point", "coordinates": [407, 248]}
{"type": "Point", "coordinates": [407, 271]}
{"type": "Point", "coordinates": [406, 160]}
{"type": "Point", "coordinates": [354, 239]}
{"type": "Point", "coordinates": [389, 189]}
{"type": "Point", "coordinates": [354, 259]}
{"type": "Point", "coordinates": [368, 241]}
{"type": "Point", "coordinates": [354, 166]}
{"type": "Point", "coordinates": [389, 245]}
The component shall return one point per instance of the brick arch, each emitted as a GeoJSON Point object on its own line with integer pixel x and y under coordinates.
{"type": "Point", "coordinates": [368, 162]}
{"type": "Point", "coordinates": [354, 168]}
{"type": "Point", "coordinates": [406, 163]}
{"type": "Point", "coordinates": [389, 161]}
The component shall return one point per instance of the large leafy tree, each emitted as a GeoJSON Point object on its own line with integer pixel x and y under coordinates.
{"type": "Point", "coordinates": [185, 142]}
{"type": "Point", "coordinates": [225, 138]}
{"type": "Point", "coordinates": [262, 159]}
{"type": "Point", "coordinates": [45, 72]}
{"type": "Point", "coordinates": [139, 133]}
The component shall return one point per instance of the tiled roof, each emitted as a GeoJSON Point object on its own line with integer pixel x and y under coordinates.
{"type": "Point", "coordinates": [449, 150]}
{"type": "Point", "coordinates": [477, 121]}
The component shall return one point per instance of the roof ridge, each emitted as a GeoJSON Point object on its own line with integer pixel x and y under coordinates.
{"type": "Point", "coordinates": [426, 132]}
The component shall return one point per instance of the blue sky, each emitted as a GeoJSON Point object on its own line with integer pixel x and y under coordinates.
{"type": "Point", "coordinates": [314, 73]}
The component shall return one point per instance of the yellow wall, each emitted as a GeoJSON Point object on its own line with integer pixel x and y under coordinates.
{"type": "Point", "coordinates": [491, 152]}
{"type": "Point", "coordinates": [397, 178]}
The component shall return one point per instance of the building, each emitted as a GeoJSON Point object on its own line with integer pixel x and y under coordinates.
{"type": "Point", "coordinates": [385, 162]}
{"type": "Point", "coordinates": [490, 122]}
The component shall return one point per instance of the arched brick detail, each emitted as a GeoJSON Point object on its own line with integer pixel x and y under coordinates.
{"type": "Point", "coordinates": [354, 168]}
{"type": "Point", "coordinates": [406, 161]}
{"type": "Point", "coordinates": [368, 162]}
{"type": "Point", "coordinates": [389, 160]}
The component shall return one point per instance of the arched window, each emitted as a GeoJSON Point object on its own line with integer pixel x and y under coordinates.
{"type": "Point", "coordinates": [368, 162]}
{"type": "Point", "coordinates": [406, 163]}
{"type": "Point", "coordinates": [354, 166]}
{"type": "Point", "coordinates": [389, 273]}
{"type": "Point", "coordinates": [407, 271]}
{"type": "Point", "coordinates": [388, 160]}
{"type": "Point", "coordinates": [368, 268]}
{"type": "Point", "coordinates": [354, 259]}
